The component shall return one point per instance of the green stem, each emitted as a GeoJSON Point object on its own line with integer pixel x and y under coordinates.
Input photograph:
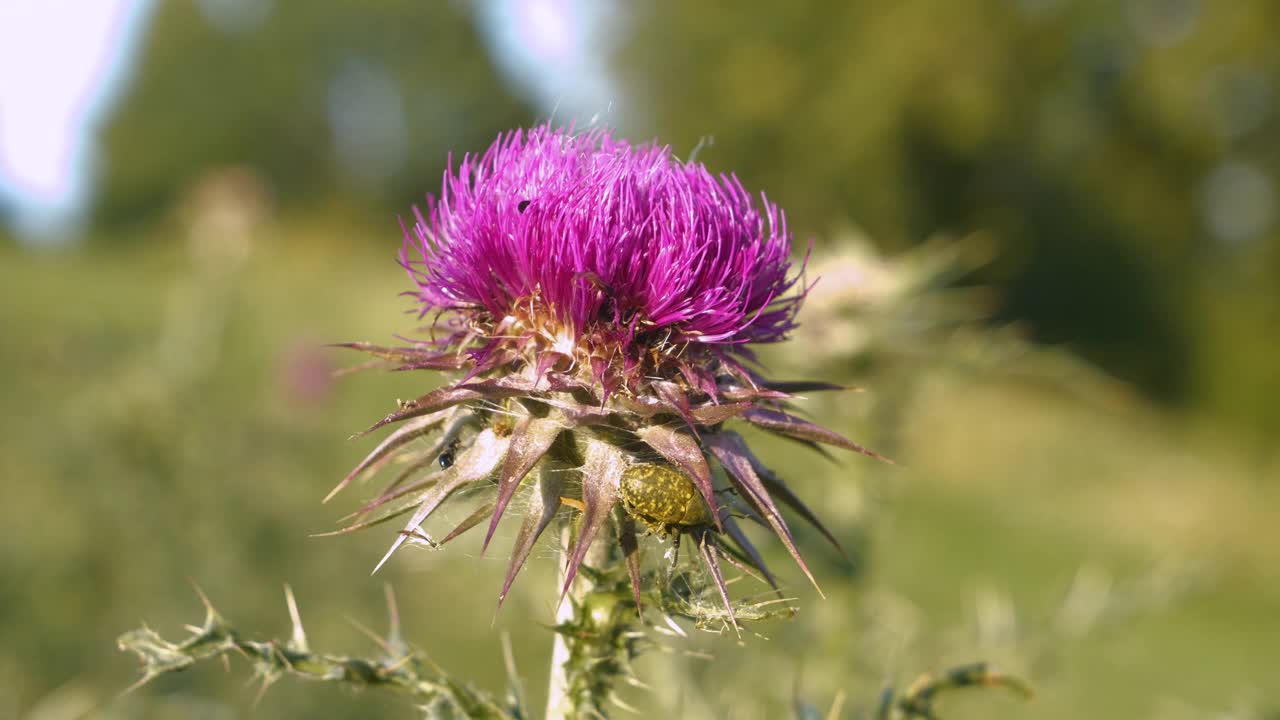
{"type": "Point", "coordinates": [559, 703]}
{"type": "Point", "coordinates": [594, 641]}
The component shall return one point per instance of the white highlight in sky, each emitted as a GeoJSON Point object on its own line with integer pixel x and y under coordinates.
{"type": "Point", "coordinates": [60, 60]}
{"type": "Point", "coordinates": [557, 52]}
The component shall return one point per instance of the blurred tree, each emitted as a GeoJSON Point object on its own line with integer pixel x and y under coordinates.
{"type": "Point", "coordinates": [363, 100]}
{"type": "Point", "coordinates": [1079, 133]}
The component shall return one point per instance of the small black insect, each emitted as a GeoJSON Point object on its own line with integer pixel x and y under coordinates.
{"type": "Point", "coordinates": [446, 457]}
{"type": "Point", "coordinates": [522, 205]}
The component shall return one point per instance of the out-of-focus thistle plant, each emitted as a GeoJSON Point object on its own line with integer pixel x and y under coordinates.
{"type": "Point", "coordinates": [598, 301]}
{"type": "Point", "coordinates": [918, 311]}
{"type": "Point", "coordinates": [871, 306]}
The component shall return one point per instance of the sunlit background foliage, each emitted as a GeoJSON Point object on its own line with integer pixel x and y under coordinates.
{"type": "Point", "coordinates": [1050, 246]}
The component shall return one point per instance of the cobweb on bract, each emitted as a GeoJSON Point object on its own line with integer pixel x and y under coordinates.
{"type": "Point", "coordinates": [413, 462]}
{"type": "Point", "coordinates": [677, 584]}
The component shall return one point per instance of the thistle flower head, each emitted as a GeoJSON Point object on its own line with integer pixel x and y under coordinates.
{"type": "Point", "coordinates": [597, 300]}
{"type": "Point", "coordinates": [617, 259]}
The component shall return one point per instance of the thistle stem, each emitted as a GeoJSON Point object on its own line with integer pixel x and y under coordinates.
{"type": "Point", "coordinates": [559, 704]}
{"type": "Point", "coordinates": [592, 646]}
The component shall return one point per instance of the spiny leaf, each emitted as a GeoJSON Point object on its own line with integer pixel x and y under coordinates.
{"type": "Point", "coordinates": [359, 367]}
{"type": "Point", "coordinates": [736, 558]}
{"type": "Point", "coordinates": [488, 359]}
{"type": "Point", "coordinates": [397, 669]}
{"type": "Point", "coordinates": [918, 699]}
{"type": "Point", "coordinates": [298, 637]}
{"type": "Point", "coordinates": [699, 377]}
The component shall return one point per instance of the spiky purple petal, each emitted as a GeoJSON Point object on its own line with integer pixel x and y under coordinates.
{"type": "Point", "coordinates": [451, 395]}
{"type": "Point", "coordinates": [531, 440]}
{"type": "Point", "coordinates": [709, 556]}
{"type": "Point", "coordinates": [631, 556]}
{"type": "Point", "coordinates": [601, 475]}
{"type": "Point", "coordinates": [730, 449]}
{"type": "Point", "coordinates": [801, 429]}
{"type": "Point", "coordinates": [477, 463]}
{"type": "Point", "coordinates": [543, 506]}
{"type": "Point", "coordinates": [472, 520]}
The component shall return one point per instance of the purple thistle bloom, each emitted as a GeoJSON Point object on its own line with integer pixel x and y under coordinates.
{"type": "Point", "coordinates": [604, 232]}
{"type": "Point", "coordinates": [599, 298]}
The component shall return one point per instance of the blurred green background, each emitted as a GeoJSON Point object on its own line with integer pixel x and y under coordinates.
{"type": "Point", "coordinates": [1051, 249]}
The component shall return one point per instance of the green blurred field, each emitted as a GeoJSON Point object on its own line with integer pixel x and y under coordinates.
{"type": "Point", "coordinates": [167, 420]}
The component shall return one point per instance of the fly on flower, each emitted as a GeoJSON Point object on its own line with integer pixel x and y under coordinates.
{"type": "Point", "coordinates": [597, 301]}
